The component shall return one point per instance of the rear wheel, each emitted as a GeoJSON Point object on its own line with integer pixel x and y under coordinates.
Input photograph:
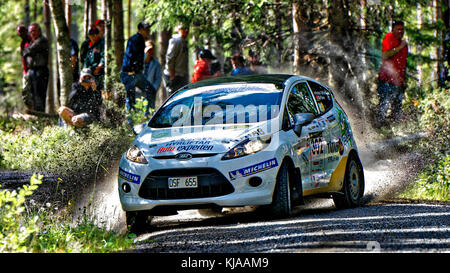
{"type": "Point", "coordinates": [137, 221]}
{"type": "Point", "coordinates": [282, 202]}
{"type": "Point", "coordinates": [353, 189]}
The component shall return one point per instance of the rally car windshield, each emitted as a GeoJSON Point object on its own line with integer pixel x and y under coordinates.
{"type": "Point", "coordinates": [220, 104]}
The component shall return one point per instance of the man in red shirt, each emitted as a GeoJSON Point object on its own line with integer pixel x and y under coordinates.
{"type": "Point", "coordinates": [391, 78]}
{"type": "Point", "coordinates": [202, 67]}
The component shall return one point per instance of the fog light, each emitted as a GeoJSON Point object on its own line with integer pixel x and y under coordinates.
{"type": "Point", "coordinates": [126, 187]}
{"type": "Point", "coordinates": [255, 181]}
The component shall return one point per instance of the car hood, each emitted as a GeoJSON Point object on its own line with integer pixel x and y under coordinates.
{"type": "Point", "coordinates": [197, 139]}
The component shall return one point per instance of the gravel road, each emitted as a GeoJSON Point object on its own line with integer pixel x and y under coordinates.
{"type": "Point", "coordinates": [381, 225]}
{"type": "Point", "coordinates": [378, 227]}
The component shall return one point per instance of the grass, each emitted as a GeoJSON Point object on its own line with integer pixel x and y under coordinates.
{"type": "Point", "coordinates": [26, 228]}
{"type": "Point", "coordinates": [433, 116]}
{"type": "Point", "coordinates": [432, 183]}
{"type": "Point", "coordinates": [76, 156]}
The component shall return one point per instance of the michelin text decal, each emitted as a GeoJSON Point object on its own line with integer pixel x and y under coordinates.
{"type": "Point", "coordinates": [133, 178]}
{"type": "Point", "coordinates": [269, 164]}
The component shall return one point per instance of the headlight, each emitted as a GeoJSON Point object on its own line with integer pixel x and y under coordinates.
{"type": "Point", "coordinates": [246, 147]}
{"type": "Point", "coordinates": [136, 155]}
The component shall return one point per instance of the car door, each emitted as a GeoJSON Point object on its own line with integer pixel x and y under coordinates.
{"type": "Point", "coordinates": [327, 152]}
{"type": "Point", "coordinates": [300, 100]}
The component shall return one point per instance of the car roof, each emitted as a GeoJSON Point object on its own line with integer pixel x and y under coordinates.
{"type": "Point", "coordinates": [277, 79]}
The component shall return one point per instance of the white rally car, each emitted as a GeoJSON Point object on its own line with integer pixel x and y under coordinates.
{"type": "Point", "coordinates": [241, 141]}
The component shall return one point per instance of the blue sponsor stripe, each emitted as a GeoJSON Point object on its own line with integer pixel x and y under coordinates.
{"type": "Point", "coordinates": [130, 177]}
{"type": "Point", "coordinates": [260, 167]}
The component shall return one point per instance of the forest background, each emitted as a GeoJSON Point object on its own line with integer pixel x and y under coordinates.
{"type": "Point", "coordinates": [337, 42]}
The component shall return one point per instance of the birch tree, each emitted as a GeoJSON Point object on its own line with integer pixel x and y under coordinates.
{"type": "Point", "coordinates": [63, 49]}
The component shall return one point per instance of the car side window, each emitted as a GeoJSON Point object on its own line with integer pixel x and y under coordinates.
{"type": "Point", "coordinates": [323, 96]}
{"type": "Point", "coordinates": [300, 100]}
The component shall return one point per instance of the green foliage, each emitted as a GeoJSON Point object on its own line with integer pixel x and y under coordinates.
{"type": "Point", "coordinates": [29, 229]}
{"type": "Point", "coordinates": [433, 183]}
{"type": "Point", "coordinates": [16, 229]}
{"type": "Point", "coordinates": [59, 150]}
{"type": "Point", "coordinates": [138, 114]}
{"type": "Point", "coordinates": [433, 115]}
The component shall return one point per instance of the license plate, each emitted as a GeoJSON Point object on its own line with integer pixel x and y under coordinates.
{"type": "Point", "coordinates": [183, 182]}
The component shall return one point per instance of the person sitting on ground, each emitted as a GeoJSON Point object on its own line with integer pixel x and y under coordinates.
{"type": "Point", "coordinates": [239, 67]}
{"type": "Point", "coordinates": [84, 102]}
{"type": "Point", "coordinates": [202, 67]}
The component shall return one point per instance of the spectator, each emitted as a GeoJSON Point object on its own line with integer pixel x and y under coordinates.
{"type": "Point", "coordinates": [26, 39]}
{"type": "Point", "coordinates": [100, 25]}
{"type": "Point", "coordinates": [83, 50]}
{"type": "Point", "coordinates": [239, 67]}
{"type": "Point", "coordinates": [132, 68]}
{"type": "Point", "coordinates": [202, 67]}
{"type": "Point", "coordinates": [74, 60]}
{"type": "Point", "coordinates": [26, 88]}
{"type": "Point", "coordinates": [255, 65]}
{"type": "Point", "coordinates": [95, 57]}
{"type": "Point", "coordinates": [36, 55]}
{"type": "Point", "coordinates": [84, 102]}
{"type": "Point", "coordinates": [391, 77]}
{"type": "Point", "coordinates": [215, 67]}
{"type": "Point", "coordinates": [176, 71]}
{"type": "Point", "coordinates": [152, 68]}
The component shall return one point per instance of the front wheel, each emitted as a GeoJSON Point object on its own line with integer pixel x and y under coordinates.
{"type": "Point", "coordinates": [353, 189]}
{"type": "Point", "coordinates": [137, 221]}
{"type": "Point", "coordinates": [282, 202]}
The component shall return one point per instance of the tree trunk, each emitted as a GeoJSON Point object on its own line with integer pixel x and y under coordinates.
{"type": "Point", "coordinates": [298, 27]}
{"type": "Point", "coordinates": [26, 19]}
{"type": "Point", "coordinates": [305, 62]}
{"type": "Point", "coordinates": [118, 33]}
{"type": "Point", "coordinates": [129, 19]}
{"type": "Point", "coordinates": [440, 35]}
{"type": "Point", "coordinates": [92, 12]}
{"type": "Point", "coordinates": [86, 18]}
{"type": "Point", "coordinates": [279, 32]}
{"type": "Point", "coordinates": [63, 49]}
{"type": "Point", "coordinates": [117, 16]}
{"type": "Point", "coordinates": [51, 94]}
{"type": "Point", "coordinates": [68, 12]}
{"type": "Point", "coordinates": [107, 11]}
{"type": "Point", "coordinates": [164, 37]}
{"type": "Point", "coordinates": [35, 10]}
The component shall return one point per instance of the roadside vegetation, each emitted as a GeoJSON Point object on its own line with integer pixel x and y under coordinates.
{"type": "Point", "coordinates": [271, 29]}
{"type": "Point", "coordinates": [27, 227]}
{"type": "Point", "coordinates": [432, 116]}
{"type": "Point", "coordinates": [30, 223]}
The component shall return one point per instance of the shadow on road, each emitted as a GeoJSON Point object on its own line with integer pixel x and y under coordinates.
{"type": "Point", "coordinates": [386, 228]}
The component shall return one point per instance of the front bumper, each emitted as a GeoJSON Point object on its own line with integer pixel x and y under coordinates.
{"type": "Point", "coordinates": [240, 193]}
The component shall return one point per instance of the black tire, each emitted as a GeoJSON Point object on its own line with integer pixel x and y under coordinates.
{"type": "Point", "coordinates": [282, 202]}
{"type": "Point", "coordinates": [353, 188]}
{"type": "Point", "coordinates": [137, 221]}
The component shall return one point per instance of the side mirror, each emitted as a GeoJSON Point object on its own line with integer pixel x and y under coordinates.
{"type": "Point", "coordinates": [137, 129]}
{"type": "Point", "coordinates": [301, 120]}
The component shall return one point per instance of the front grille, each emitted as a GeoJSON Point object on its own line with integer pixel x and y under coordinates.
{"type": "Point", "coordinates": [211, 183]}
